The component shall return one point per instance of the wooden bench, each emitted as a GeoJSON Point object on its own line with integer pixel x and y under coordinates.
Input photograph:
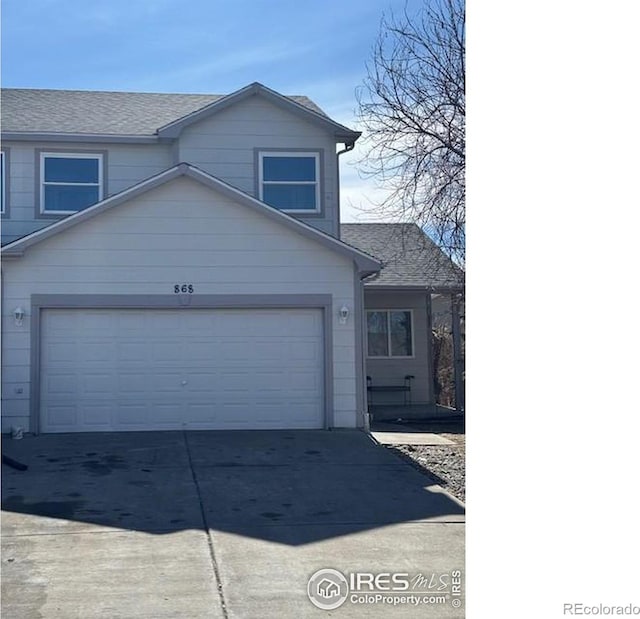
{"type": "Point", "coordinates": [405, 389]}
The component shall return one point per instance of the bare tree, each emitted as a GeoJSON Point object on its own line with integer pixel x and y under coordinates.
{"type": "Point", "coordinates": [412, 110]}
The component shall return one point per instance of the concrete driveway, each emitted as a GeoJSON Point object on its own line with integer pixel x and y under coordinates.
{"type": "Point", "coordinates": [221, 524]}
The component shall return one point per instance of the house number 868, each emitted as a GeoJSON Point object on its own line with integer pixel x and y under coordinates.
{"type": "Point", "coordinates": [184, 288]}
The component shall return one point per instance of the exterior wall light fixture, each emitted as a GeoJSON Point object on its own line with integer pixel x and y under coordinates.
{"type": "Point", "coordinates": [18, 315]}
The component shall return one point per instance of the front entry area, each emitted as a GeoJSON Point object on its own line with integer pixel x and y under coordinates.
{"type": "Point", "coordinates": [111, 369]}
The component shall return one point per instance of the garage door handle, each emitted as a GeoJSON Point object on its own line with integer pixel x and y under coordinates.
{"type": "Point", "coordinates": [184, 382]}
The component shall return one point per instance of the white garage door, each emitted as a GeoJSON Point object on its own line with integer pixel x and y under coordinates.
{"type": "Point", "coordinates": [115, 370]}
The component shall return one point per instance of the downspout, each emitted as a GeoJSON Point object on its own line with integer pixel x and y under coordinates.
{"type": "Point", "coordinates": [348, 146]}
{"type": "Point", "coordinates": [360, 335]}
{"type": "Point", "coordinates": [458, 361]}
{"type": "Point", "coordinates": [361, 371]}
{"type": "Point", "coordinates": [431, 383]}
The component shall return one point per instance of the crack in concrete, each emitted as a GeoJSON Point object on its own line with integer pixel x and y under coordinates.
{"type": "Point", "coordinates": [205, 526]}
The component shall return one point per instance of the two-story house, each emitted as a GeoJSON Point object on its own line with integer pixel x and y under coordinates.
{"type": "Point", "coordinates": [177, 261]}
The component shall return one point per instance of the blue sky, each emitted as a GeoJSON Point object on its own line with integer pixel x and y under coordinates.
{"type": "Point", "coordinates": [214, 46]}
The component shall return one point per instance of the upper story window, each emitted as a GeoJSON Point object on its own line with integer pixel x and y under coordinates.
{"type": "Point", "coordinates": [290, 181]}
{"type": "Point", "coordinates": [2, 182]}
{"type": "Point", "coordinates": [69, 182]}
{"type": "Point", "coordinates": [389, 333]}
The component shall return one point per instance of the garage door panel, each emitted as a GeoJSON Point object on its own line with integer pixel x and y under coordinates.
{"type": "Point", "coordinates": [201, 351]}
{"type": "Point", "coordinates": [304, 350]}
{"type": "Point", "coordinates": [97, 416]}
{"type": "Point", "coordinates": [230, 322]}
{"type": "Point", "coordinates": [61, 352]}
{"type": "Point", "coordinates": [202, 381]}
{"type": "Point", "coordinates": [238, 381]}
{"type": "Point", "coordinates": [167, 382]}
{"type": "Point", "coordinates": [129, 323]}
{"type": "Point", "coordinates": [132, 414]}
{"type": "Point", "coordinates": [166, 415]}
{"type": "Point", "coordinates": [231, 415]}
{"type": "Point", "coordinates": [132, 351]}
{"type": "Point", "coordinates": [166, 352]}
{"type": "Point", "coordinates": [95, 384]}
{"type": "Point", "coordinates": [301, 323]}
{"type": "Point", "coordinates": [232, 350]}
{"type": "Point", "coordinates": [133, 382]}
{"type": "Point", "coordinates": [198, 323]}
{"type": "Point", "coordinates": [168, 369]}
{"type": "Point", "coordinates": [62, 324]}
{"type": "Point", "coordinates": [271, 412]}
{"type": "Point", "coordinates": [301, 410]}
{"type": "Point", "coordinates": [62, 384]}
{"type": "Point", "coordinates": [97, 320]}
{"type": "Point", "coordinates": [62, 417]}
{"type": "Point", "coordinates": [262, 382]}
{"type": "Point", "coordinates": [200, 413]}
{"type": "Point", "coordinates": [168, 323]}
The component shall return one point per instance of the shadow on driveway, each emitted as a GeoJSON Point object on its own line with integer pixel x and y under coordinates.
{"type": "Point", "coordinates": [290, 487]}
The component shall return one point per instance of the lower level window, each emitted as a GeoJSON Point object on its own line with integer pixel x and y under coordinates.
{"type": "Point", "coordinates": [389, 333]}
{"type": "Point", "coordinates": [69, 182]}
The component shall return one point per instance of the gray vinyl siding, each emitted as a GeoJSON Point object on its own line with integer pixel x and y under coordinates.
{"type": "Point", "coordinates": [180, 232]}
{"type": "Point", "coordinates": [225, 145]}
{"type": "Point", "coordinates": [390, 371]}
{"type": "Point", "coordinates": [127, 165]}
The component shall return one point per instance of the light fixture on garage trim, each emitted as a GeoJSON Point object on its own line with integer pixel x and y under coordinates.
{"type": "Point", "coordinates": [18, 315]}
{"type": "Point", "coordinates": [344, 314]}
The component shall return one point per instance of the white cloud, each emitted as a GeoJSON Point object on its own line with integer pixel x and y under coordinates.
{"type": "Point", "coordinates": [359, 197]}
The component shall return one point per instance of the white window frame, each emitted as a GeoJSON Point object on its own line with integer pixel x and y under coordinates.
{"type": "Point", "coordinates": [3, 196]}
{"type": "Point", "coordinates": [388, 312]}
{"type": "Point", "coordinates": [62, 155]}
{"type": "Point", "coordinates": [282, 153]}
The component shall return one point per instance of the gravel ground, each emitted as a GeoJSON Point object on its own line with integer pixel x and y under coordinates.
{"type": "Point", "coordinates": [444, 464]}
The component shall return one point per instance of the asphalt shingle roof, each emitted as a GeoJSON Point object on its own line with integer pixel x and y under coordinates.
{"type": "Point", "coordinates": [104, 113]}
{"type": "Point", "coordinates": [408, 256]}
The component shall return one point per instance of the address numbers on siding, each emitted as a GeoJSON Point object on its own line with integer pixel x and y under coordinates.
{"type": "Point", "coordinates": [183, 289]}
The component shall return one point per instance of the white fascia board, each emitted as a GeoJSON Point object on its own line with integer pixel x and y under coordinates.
{"type": "Point", "coordinates": [34, 136]}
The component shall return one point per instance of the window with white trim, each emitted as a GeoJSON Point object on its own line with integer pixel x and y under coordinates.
{"type": "Point", "coordinates": [69, 182]}
{"type": "Point", "coordinates": [390, 333]}
{"type": "Point", "coordinates": [290, 181]}
{"type": "Point", "coordinates": [2, 182]}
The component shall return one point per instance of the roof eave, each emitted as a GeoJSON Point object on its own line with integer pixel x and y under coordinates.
{"type": "Point", "coordinates": [104, 138]}
{"type": "Point", "coordinates": [347, 137]}
{"type": "Point", "coordinates": [433, 289]}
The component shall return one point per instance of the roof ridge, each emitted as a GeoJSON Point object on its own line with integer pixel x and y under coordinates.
{"type": "Point", "coordinates": [130, 92]}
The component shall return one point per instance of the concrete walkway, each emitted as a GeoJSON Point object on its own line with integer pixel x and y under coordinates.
{"type": "Point", "coordinates": [389, 433]}
{"type": "Point", "coordinates": [410, 438]}
{"type": "Point", "coordinates": [216, 524]}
